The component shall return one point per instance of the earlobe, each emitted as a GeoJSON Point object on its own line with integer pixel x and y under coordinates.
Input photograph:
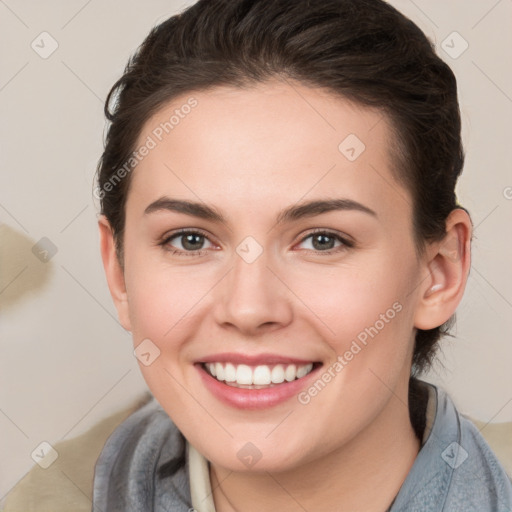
{"type": "Point", "coordinates": [447, 270]}
{"type": "Point", "coordinates": [113, 272]}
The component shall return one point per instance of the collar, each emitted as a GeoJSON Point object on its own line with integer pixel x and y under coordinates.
{"type": "Point", "coordinates": [199, 477]}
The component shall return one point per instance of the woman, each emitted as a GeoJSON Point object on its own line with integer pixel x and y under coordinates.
{"type": "Point", "coordinates": [280, 233]}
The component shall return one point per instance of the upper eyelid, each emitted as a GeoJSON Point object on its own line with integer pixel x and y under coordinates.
{"type": "Point", "coordinates": [182, 232]}
{"type": "Point", "coordinates": [329, 232]}
{"type": "Point", "coordinates": [345, 239]}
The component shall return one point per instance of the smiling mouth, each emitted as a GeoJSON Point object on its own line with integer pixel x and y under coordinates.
{"type": "Point", "coordinates": [257, 377]}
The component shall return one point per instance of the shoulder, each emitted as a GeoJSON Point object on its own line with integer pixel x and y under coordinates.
{"type": "Point", "coordinates": [455, 469]}
{"type": "Point", "coordinates": [130, 468]}
{"type": "Point", "coordinates": [146, 433]}
{"type": "Point", "coordinates": [499, 437]}
{"type": "Point", "coordinates": [68, 483]}
{"type": "Point", "coordinates": [478, 478]}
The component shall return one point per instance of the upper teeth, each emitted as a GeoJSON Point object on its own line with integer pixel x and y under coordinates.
{"type": "Point", "coordinates": [259, 375]}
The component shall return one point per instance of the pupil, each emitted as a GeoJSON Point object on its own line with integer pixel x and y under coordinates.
{"type": "Point", "coordinates": [189, 241]}
{"type": "Point", "coordinates": [323, 241]}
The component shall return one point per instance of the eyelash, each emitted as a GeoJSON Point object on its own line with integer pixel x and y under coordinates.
{"type": "Point", "coordinates": [346, 243]}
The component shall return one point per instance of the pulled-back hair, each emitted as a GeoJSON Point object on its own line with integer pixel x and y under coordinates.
{"type": "Point", "coordinates": [362, 50]}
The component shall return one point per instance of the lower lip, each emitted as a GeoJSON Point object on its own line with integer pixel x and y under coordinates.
{"type": "Point", "coordinates": [243, 398]}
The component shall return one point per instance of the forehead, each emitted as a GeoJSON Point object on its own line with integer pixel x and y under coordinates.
{"type": "Point", "coordinates": [275, 142]}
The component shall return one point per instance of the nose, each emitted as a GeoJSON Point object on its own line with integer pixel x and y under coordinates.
{"type": "Point", "coordinates": [252, 298]}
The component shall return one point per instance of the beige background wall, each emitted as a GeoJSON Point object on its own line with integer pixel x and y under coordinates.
{"type": "Point", "coordinates": [66, 362]}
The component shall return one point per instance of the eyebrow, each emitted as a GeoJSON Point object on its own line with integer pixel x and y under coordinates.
{"type": "Point", "coordinates": [292, 213]}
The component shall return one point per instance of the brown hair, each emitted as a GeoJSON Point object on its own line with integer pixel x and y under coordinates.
{"type": "Point", "coordinates": [363, 50]}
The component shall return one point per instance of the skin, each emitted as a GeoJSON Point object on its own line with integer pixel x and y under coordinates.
{"type": "Point", "coordinates": [250, 153]}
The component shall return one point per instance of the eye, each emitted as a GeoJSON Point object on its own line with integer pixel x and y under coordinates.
{"type": "Point", "coordinates": [325, 241]}
{"type": "Point", "coordinates": [186, 242]}
{"type": "Point", "coordinates": [191, 242]}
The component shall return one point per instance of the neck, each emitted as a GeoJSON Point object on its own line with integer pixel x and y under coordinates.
{"type": "Point", "coordinates": [365, 474]}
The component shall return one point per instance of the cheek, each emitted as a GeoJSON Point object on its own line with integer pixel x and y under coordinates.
{"type": "Point", "coordinates": [162, 297]}
{"type": "Point", "coordinates": [164, 304]}
{"type": "Point", "coordinates": [350, 301]}
{"type": "Point", "coordinates": [366, 317]}
{"type": "Point", "coordinates": [367, 320]}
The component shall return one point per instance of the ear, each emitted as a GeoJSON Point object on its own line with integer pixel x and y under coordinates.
{"type": "Point", "coordinates": [113, 272]}
{"type": "Point", "coordinates": [447, 267]}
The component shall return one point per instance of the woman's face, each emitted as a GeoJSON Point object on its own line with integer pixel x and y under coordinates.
{"type": "Point", "coordinates": [300, 266]}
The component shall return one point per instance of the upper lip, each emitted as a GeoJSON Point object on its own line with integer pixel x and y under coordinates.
{"type": "Point", "coordinates": [253, 360]}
